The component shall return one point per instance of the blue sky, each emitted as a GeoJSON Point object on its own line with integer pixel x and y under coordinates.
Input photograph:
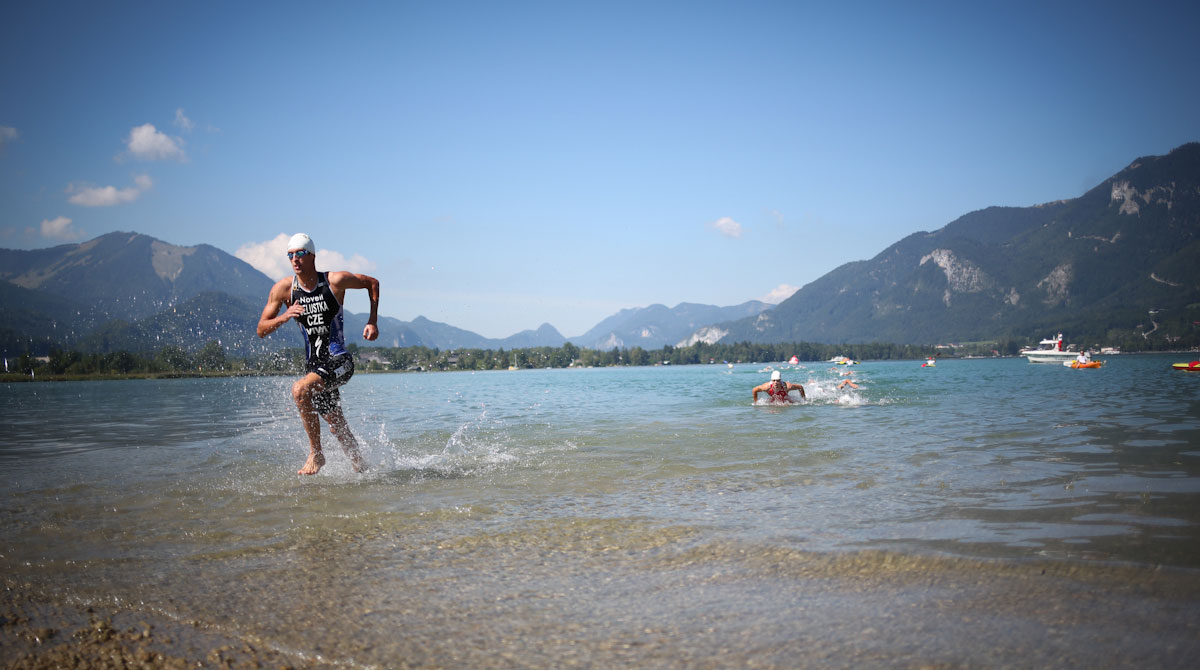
{"type": "Point", "coordinates": [501, 165]}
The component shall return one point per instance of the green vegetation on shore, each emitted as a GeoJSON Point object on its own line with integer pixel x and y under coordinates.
{"type": "Point", "coordinates": [569, 355]}
{"type": "Point", "coordinates": [212, 359]}
{"type": "Point", "coordinates": [168, 361]}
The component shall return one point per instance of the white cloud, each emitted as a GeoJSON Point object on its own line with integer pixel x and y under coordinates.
{"type": "Point", "coordinates": [727, 227]}
{"type": "Point", "coordinates": [270, 258]}
{"type": "Point", "coordinates": [60, 229]}
{"type": "Point", "coordinates": [779, 294]}
{"type": "Point", "coordinates": [327, 259]}
{"type": "Point", "coordinates": [7, 134]}
{"type": "Point", "coordinates": [107, 196]}
{"type": "Point", "coordinates": [147, 143]}
{"type": "Point", "coordinates": [183, 121]}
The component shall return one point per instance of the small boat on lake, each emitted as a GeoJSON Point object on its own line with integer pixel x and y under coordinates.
{"type": "Point", "coordinates": [1050, 351]}
{"type": "Point", "coordinates": [1194, 366]}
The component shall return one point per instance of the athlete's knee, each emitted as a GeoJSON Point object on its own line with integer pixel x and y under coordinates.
{"type": "Point", "coordinates": [302, 391]}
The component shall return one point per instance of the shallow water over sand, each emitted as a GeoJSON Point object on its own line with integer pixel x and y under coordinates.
{"type": "Point", "coordinates": [989, 512]}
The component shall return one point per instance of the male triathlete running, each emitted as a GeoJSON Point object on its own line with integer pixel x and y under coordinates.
{"type": "Point", "coordinates": [314, 299]}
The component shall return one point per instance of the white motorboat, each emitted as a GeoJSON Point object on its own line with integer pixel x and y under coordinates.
{"type": "Point", "coordinates": [1050, 351]}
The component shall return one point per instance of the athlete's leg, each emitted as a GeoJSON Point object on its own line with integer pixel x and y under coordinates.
{"type": "Point", "coordinates": [341, 430]}
{"type": "Point", "coordinates": [302, 392]}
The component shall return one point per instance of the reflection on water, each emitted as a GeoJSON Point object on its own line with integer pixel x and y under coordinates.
{"type": "Point", "coordinates": [599, 515]}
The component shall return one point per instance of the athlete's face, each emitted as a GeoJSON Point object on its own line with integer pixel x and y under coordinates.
{"type": "Point", "coordinates": [300, 259]}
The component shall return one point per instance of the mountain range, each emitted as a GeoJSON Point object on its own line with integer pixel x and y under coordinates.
{"type": "Point", "coordinates": [658, 325]}
{"type": "Point", "coordinates": [129, 291]}
{"type": "Point", "coordinates": [1127, 248]}
{"type": "Point", "coordinates": [1119, 257]}
{"type": "Point", "coordinates": [426, 333]}
{"type": "Point", "coordinates": [125, 290]}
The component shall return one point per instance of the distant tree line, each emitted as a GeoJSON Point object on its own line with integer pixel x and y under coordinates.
{"type": "Point", "coordinates": [569, 355]}
{"type": "Point", "coordinates": [213, 358]}
{"type": "Point", "coordinates": [170, 360]}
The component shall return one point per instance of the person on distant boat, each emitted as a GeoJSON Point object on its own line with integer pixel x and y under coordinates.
{"type": "Point", "coordinates": [314, 299]}
{"type": "Point", "coordinates": [1084, 357]}
{"type": "Point", "coordinates": [777, 390]}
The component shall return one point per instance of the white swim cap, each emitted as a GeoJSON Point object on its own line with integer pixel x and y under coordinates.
{"type": "Point", "coordinates": [775, 376]}
{"type": "Point", "coordinates": [302, 241]}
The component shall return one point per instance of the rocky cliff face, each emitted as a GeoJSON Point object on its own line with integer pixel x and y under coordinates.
{"type": "Point", "coordinates": [962, 276]}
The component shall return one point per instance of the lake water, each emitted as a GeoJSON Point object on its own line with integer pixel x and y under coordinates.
{"type": "Point", "coordinates": [980, 512]}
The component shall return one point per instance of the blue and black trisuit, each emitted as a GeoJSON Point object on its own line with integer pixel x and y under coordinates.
{"type": "Point", "coordinates": [326, 352]}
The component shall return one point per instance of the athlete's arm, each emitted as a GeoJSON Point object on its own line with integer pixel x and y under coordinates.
{"type": "Point", "coordinates": [760, 387]}
{"type": "Point", "coordinates": [341, 281]}
{"type": "Point", "coordinates": [271, 319]}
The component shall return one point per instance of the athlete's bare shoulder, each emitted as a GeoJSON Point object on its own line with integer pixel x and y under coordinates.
{"type": "Point", "coordinates": [337, 277]}
{"type": "Point", "coordinates": [282, 289]}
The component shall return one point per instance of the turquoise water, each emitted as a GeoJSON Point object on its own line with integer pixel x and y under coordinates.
{"type": "Point", "coordinates": [550, 513]}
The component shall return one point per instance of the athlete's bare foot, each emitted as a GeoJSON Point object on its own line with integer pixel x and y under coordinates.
{"type": "Point", "coordinates": [315, 461]}
{"type": "Point", "coordinates": [356, 460]}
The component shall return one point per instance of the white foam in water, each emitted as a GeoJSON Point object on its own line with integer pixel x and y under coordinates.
{"type": "Point", "coordinates": [821, 392]}
{"type": "Point", "coordinates": [467, 446]}
{"type": "Point", "coordinates": [480, 444]}
{"type": "Point", "coordinates": [827, 392]}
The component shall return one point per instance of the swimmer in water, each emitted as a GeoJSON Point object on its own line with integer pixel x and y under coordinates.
{"type": "Point", "coordinates": [777, 389]}
{"type": "Point", "coordinates": [847, 382]}
{"type": "Point", "coordinates": [314, 300]}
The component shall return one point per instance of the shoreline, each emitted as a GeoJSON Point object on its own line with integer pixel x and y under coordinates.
{"type": "Point", "coordinates": [43, 634]}
{"type": "Point", "coordinates": [866, 609]}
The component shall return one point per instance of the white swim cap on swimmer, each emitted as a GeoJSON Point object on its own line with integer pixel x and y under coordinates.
{"type": "Point", "coordinates": [775, 376]}
{"type": "Point", "coordinates": [302, 241]}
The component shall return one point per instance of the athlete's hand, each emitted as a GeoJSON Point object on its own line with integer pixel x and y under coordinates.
{"type": "Point", "coordinates": [370, 332]}
{"type": "Point", "coordinates": [294, 311]}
